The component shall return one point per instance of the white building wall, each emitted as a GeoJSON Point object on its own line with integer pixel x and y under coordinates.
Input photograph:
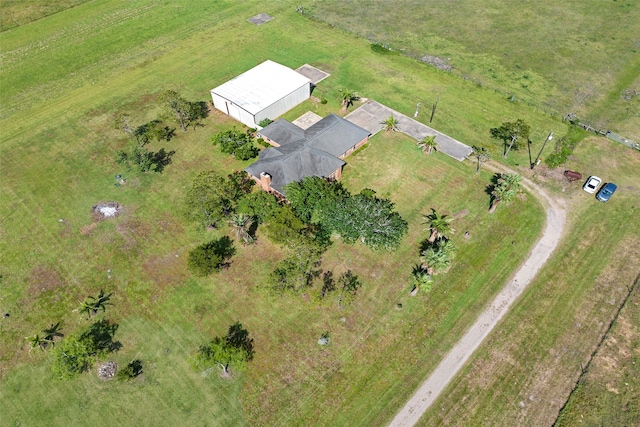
{"type": "Point", "coordinates": [233, 110]}
{"type": "Point", "coordinates": [284, 104]}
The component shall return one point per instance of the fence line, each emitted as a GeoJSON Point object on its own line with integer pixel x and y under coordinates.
{"type": "Point", "coordinates": [575, 120]}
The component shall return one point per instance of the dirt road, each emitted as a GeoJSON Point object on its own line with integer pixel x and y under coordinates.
{"type": "Point", "coordinates": [460, 353]}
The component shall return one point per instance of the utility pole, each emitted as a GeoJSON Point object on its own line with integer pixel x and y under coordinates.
{"type": "Point", "coordinates": [416, 113]}
{"type": "Point", "coordinates": [549, 138]}
{"type": "Point", "coordinates": [433, 109]}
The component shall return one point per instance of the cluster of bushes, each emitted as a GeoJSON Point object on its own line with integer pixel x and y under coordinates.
{"type": "Point", "coordinates": [565, 146]}
{"type": "Point", "coordinates": [77, 353]}
{"type": "Point", "coordinates": [239, 144]}
{"type": "Point", "coordinates": [176, 109]}
{"type": "Point", "coordinates": [317, 210]}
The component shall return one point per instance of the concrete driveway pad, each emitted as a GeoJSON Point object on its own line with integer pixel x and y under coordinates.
{"type": "Point", "coordinates": [371, 115]}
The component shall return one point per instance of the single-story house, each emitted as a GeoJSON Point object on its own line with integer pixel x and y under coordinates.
{"type": "Point", "coordinates": [266, 91]}
{"type": "Point", "coordinates": [297, 153]}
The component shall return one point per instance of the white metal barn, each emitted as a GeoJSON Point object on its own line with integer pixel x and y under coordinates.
{"type": "Point", "coordinates": [266, 91]}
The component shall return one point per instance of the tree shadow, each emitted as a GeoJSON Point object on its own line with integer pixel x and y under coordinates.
{"type": "Point", "coordinates": [200, 111]}
{"type": "Point", "coordinates": [239, 337]}
{"type": "Point", "coordinates": [101, 334]}
{"type": "Point", "coordinates": [492, 186]}
{"type": "Point", "coordinates": [161, 158]}
{"type": "Point", "coordinates": [328, 284]}
{"type": "Point", "coordinates": [253, 228]}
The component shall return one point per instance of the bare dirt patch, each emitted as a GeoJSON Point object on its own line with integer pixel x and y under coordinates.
{"type": "Point", "coordinates": [133, 231]}
{"type": "Point", "coordinates": [166, 270]}
{"type": "Point", "coordinates": [42, 279]}
{"type": "Point", "coordinates": [435, 61]}
{"type": "Point", "coordinates": [87, 229]}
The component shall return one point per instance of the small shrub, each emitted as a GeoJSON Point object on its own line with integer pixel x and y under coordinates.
{"type": "Point", "coordinates": [131, 371]}
{"type": "Point", "coordinates": [384, 49]}
{"type": "Point", "coordinates": [565, 147]}
{"type": "Point", "coordinates": [265, 122]}
{"type": "Point", "coordinates": [236, 143]}
{"type": "Point", "coordinates": [262, 142]}
{"type": "Point", "coordinates": [210, 257]}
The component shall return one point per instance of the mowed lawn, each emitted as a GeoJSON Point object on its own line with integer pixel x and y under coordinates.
{"type": "Point", "coordinates": [524, 372]}
{"type": "Point", "coordinates": [58, 146]}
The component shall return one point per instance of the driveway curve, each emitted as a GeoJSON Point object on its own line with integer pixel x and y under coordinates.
{"type": "Point", "coordinates": [489, 318]}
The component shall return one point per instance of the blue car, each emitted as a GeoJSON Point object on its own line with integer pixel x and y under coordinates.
{"type": "Point", "coordinates": [606, 192]}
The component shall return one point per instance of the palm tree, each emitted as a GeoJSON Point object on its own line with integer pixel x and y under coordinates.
{"type": "Point", "coordinates": [422, 279]}
{"type": "Point", "coordinates": [446, 246]}
{"type": "Point", "coordinates": [36, 341]}
{"type": "Point", "coordinates": [391, 124]}
{"type": "Point", "coordinates": [438, 225]}
{"type": "Point", "coordinates": [51, 333]}
{"type": "Point", "coordinates": [434, 260]}
{"type": "Point", "coordinates": [428, 144]}
{"type": "Point", "coordinates": [92, 305]}
{"type": "Point", "coordinates": [480, 154]}
{"type": "Point", "coordinates": [241, 223]}
{"type": "Point", "coordinates": [508, 185]}
{"type": "Point", "coordinates": [348, 97]}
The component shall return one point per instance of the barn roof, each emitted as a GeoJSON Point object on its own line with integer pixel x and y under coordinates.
{"type": "Point", "coordinates": [261, 86]}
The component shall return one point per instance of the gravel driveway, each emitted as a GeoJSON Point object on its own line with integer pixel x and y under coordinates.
{"type": "Point", "coordinates": [460, 353]}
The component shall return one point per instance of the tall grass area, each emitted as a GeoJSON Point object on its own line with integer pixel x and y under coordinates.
{"type": "Point", "coordinates": [63, 80]}
{"type": "Point", "coordinates": [14, 13]}
{"type": "Point", "coordinates": [565, 57]}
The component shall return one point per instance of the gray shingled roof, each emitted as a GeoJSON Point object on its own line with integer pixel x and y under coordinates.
{"type": "Point", "coordinates": [335, 135]}
{"type": "Point", "coordinates": [293, 162]}
{"type": "Point", "coordinates": [332, 134]}
{"type": "Point", "coordinates": [283, 132]}
{"type": "Point", "coordinates": [302, 153]}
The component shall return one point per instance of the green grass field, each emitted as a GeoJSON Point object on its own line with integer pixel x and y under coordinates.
{"type": "Point", "coordinates": [525, 371]}
{"type": "Point", "coordinates": [562, 57]}
{"type": "Point", "coordinates": [64, 77]}
{"type": "Point", "coordinates": [609, 393]}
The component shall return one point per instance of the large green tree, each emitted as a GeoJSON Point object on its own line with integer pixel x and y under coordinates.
{"type": "Point", "coordinates": [231, 351]}
{"type": "Point", "coordinates": [367, 218]}
{"type": "Point", "coordinates": [212, 197]}
{"type": "Point", "coordinates": [183, 112]}
{"type": "Point", "coordinates": [260, 205]}
{"type": "Point", "coordinates": [312, 196]}
{"type": "Point", "coordinates": [510, 133]}
{"type": "Point", "coordinates": [236, 143]}
{"type": "Point", "coordinates": [209, 257]}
